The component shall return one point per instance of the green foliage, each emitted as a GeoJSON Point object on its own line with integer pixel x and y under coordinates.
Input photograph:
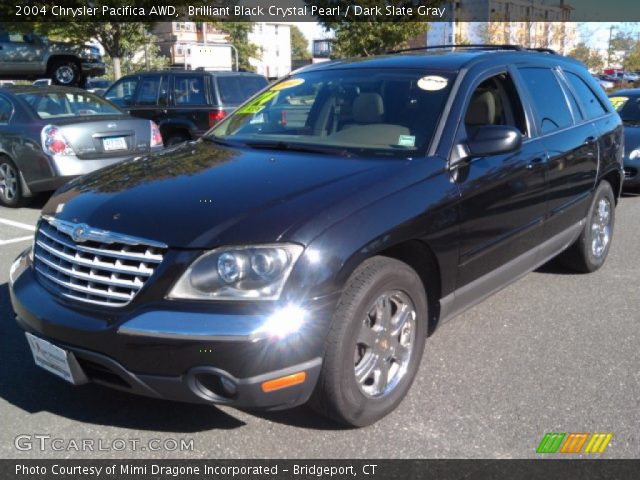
{"type": "Point", "coordinates": [299, 44]}
{"type": "Point", "coordinates": [375, 36]}
{"type": "Point", "coordinates": [238, 35]}
{"type": "Point", "coordinates": [589, 56]}
{"type": "Point", "coordinates": [148, 58]}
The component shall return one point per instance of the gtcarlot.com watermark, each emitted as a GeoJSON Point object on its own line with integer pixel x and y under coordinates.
{"type": "Point", "coordinates": [48, 443]}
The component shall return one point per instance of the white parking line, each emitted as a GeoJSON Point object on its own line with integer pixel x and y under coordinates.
{"type": "Point", "coordinates": [16, 240]}
{"type": "Point", "coordinates": [12, 223]}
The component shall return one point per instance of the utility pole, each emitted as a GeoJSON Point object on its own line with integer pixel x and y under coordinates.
{"type": "Point", "coordinates": [611, 28]}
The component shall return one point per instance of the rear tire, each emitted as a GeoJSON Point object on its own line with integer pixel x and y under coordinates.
{"type": "Point", "coordinates": [65, 73]}
{"type": "Point", "coordinates": [10, 185]}
{"type": "Point", "coordinates": [590, 250]}
{"type": "Point", "coordinates": [375, 343]}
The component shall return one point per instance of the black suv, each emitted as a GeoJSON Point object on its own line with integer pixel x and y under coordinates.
{"type": "Point", "coordinates": [184, 103]}
{"type": "Point", "coordinates": [309, 243]}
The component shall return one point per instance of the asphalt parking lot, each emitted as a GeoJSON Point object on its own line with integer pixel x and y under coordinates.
{"type": "Point", "coordinates": [555, 352]}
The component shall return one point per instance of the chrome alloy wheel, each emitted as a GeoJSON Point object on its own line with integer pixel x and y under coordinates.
{"type": "Point", "coordinates": [64, 74]}
{"type": "Point", "coordinates": [384, 344]}
{"type": "Point", "coordinates": [8, 182]}
{"type": "Point", "coordinates": [601, 228]}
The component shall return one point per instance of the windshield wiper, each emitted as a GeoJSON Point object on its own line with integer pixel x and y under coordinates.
{"type": "Point", "coordinates": [219, 141]}
{"type": "Point", "coordinates": [296, 147]}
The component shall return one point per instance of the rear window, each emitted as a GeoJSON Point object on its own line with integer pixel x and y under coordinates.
{"type": "Point", "coordinates": [189, 90]}
{"type": "Point", "coordinates": [236, 89]}
{"type": "Point", "coordinates": [67, 104]}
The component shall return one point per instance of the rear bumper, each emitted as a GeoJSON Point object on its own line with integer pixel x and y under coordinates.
{"type": "Point", "coordinates": [185, 356]}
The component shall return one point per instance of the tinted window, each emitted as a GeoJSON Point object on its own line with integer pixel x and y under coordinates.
{"type": "Point", "coordinates": [152, 91]}
{"type": "Point", "coordinates": [189, 90]}
{"type": "Point", "coordinates": [58, 105]}
{"type": "Point", "coordinates": [122, 92]}
{"type": "Point", "coordinates": [236, 89]}
{"type": "Point", "coordinates": [592, 106]}
{"type": "Point", "coordinates": [548, 99]}
{"type": "Point", "coordinates": [5, 110]}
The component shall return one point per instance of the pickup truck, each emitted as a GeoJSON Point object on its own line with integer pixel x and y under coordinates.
{"type": "Point", "coordinates": [29, 57]}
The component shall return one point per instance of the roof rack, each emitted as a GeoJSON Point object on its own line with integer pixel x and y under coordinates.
{"type": "Point", "coordinates": [474, 46]}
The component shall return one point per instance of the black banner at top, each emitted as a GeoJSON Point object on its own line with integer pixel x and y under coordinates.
{"type": "Point", "coordinates": [322, 10]}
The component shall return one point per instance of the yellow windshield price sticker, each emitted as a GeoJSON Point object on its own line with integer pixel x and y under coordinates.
{"type": "Point", "coordinates": [258, 103]}
{"type": "Point", "coordinates": [618, 102]}
{"type": "Point", "coordinates": [294, 82]}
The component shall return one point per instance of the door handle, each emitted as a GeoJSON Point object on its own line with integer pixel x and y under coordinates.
{"type": "Point", "coordinates": [536, 161]}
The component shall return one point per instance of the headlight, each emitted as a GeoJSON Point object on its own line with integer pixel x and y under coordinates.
{"type": "Point", "coordinates": [634, 154]}
{"type": "Point", "coordinates": [238, 273]}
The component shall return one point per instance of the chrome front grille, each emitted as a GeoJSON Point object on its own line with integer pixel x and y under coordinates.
{"type": "Point", "coordinates": [93, 266]}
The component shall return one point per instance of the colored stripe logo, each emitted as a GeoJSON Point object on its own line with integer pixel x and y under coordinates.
{"type": "Point", "coordinates": [574, 442]}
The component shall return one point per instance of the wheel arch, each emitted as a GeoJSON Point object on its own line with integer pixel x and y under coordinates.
{"type": "Point", "coordinates": [53, 59]}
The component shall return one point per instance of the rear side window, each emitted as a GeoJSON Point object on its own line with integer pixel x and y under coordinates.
{"type": "Point", "coordinates": [548, 99]}
{"type": "Point", "coordinates": [590, 102]}
{"type": "Point", "coordinates": [153, 91]}
{"type": "Point", "coordinates": [6, 108]}
{"type": "Point", "coordinates": [122, 92]}
{"type": "Point", "coordinates": [189, 90]}
{"type": "Point", "coordinates": [236, 89]}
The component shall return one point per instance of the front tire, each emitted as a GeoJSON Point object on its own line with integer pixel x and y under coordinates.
{"type": "Point", "coordinates": [590, 251]}
{"type": "Point", "coordinates": [375, 343]}
{"type": "Point", "coordinates": [65, 73]}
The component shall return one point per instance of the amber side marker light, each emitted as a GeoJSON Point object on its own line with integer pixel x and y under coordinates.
{"type": "Point", "coordinates": [284, 382]}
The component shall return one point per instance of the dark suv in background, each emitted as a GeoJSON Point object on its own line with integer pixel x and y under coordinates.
{"type": "Point", "coordinates": [184, 104]}
{"type": "Point", "coordinates": [308, 244]}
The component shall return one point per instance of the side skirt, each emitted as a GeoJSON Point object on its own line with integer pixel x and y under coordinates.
{"type": "Point", "coordinates": [473, 293]}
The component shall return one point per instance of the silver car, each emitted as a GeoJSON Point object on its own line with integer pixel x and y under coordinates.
{"type": "Point", "coordinates": [49, 135]}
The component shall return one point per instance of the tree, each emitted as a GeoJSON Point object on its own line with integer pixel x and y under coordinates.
{"type": "Point", "coordinates": [589, 56]}
{"type": "Point", "coordinates": [632, 59]}
{"type": "Point", "coordinates": [299, 44]}
{"type": "Point", "coordinates": [238, 35]}
{"type": "Point", "coordinates": [377, 35]}
{"type": "Point", "coordinates": [148, 58]}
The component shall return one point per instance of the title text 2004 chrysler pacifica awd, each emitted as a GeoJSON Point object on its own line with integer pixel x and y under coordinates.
{"type": "Point", "coordinates": [308, 244]}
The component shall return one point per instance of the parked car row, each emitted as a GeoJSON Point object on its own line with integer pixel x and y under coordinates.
{"type": "Point", "coordinates": [349, 209]}
{"type": "Point", "coordinates": [50, 134]}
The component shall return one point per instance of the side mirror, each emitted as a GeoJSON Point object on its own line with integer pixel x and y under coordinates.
{"type": "Point", "coordinates": [494, 140]}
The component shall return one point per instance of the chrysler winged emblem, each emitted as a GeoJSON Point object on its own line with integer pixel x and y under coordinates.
{"type": "Point", "coordinates": [78, 234]}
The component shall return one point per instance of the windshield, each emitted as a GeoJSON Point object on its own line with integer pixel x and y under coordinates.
{"type": "Point", "coordinates": [628, 107]}
{"type": "Point", "coordinates": [393, 112]}
{"type": "Point", "coordinates": [67, 104]}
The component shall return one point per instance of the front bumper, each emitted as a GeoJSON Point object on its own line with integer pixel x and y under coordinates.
{"type": "Point", "coordinates": [631, 173]}
{"type": "Point", "coordinates": [93, 68]}
{"type": "Point", "coordinates": [191, 356]}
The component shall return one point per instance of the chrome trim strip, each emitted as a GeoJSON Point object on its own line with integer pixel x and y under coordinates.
{"type": "Point", "coordinates": [98, 235]}
{"type": "Point", "coordinates": [94, 264]}
{"type": "Point", "coordinates": [107, 253]}
{"type": "Point", "coordinates": [114, 282]}
{"type": "Point", "coordinates": [83, 289]}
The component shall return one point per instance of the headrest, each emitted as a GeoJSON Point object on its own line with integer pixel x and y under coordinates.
{"type": "Point", "coordinates": [368, 108]}
{"type": "Point", "coordinates": [482, 109]}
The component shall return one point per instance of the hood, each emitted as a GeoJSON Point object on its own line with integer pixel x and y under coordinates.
{"type": "Point", "coordinates": [200, 195]}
